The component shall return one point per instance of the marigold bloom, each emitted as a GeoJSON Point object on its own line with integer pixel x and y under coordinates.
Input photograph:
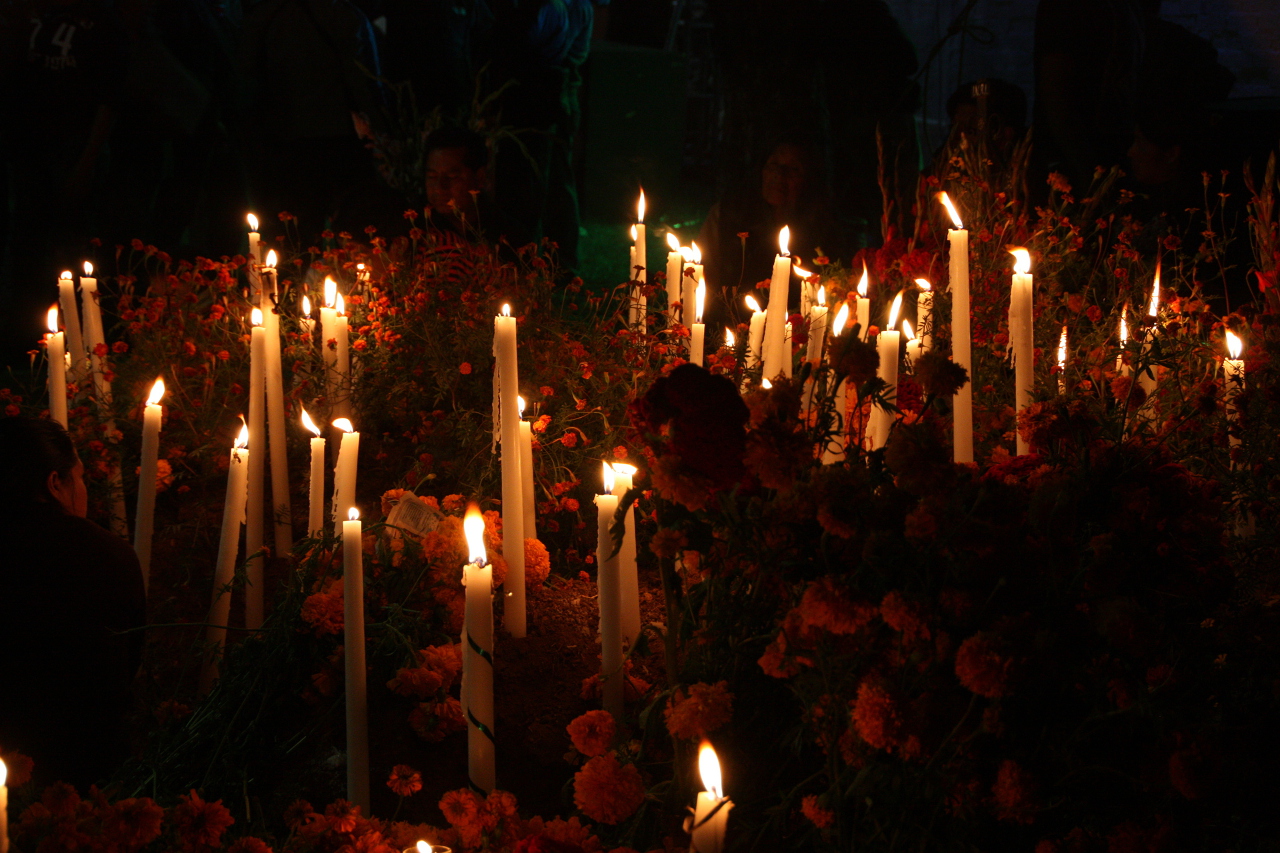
{"type": "Point", "coordinates": [342, 816]}
{"type": "Point", "coordinates": [607, 791]}
{"type": "Point", "coordinates": [434, 721]}
{"type": "Point", "coordinates": [828, 607]}
{"type": "Point", "coordinates": [323, 610]}
{"type": "Point", "coordinates": [706, 708]}
{"type": "Point", "coordinates": [501, 803]}
{"type": "Point", "coordinates": [1014, 794]}
{"type": "Point", "coordinates": [461, 807]}
{"type": "Point", "coordinates": [817, 815]}
{"type": "Point", "coordinates": [404, 781]}
{"type": "Point", "coordinates": [592, 733]}
{"type": "Point", "coordinates": [200, 824]}
{"type": "Point", "coordinates": [537, 562]}
{"type": "Point", "coordinates": [981, 668]}
{"type": "Point", "coordinates": [903, 617]}
{"type": "Point", "coordinates": [875, 716]}
{"type": "Point", "coordinates": [133, 823]}
{"type": "Point", "coordinates": [249, 844]}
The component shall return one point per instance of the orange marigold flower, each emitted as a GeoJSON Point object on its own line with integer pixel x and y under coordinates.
{"type": "Point", "coordinates": [200, 824]}
{"type": "Point", "coordinates": [342, 816]}
{"type": "Point", "coordinates": [537, 562]}
{"type": "Point", "coordinates": [461, 807]}
{"type": "Point", "coordinates": [434, 721]}
{"type": "Point", "coordinates": [829, 607]}
{"type": "Point", "coordinates": [404, 781]}
{"type": "Point", "coordinates": [903, 617]}
{"type": "Point", "coordinates": [323, 610]}
{"type": "Point", "coordinates": [592, 733]}
{"type": "Point", "coordinates": [501, 803]}
{"type": "Point", "coordinates": [704, 709]}
{"type": "Point", "coordinates": [464, 368]}
{"type": "Point", "coordinates": [540, 425]}
{"type": "Point", "coordinates": [1014, 794]}
{"type": "Point", "coordinates": [249, 844]}
{"type": "Point", "coordinates": [981, 668]}
{"type": "Point", "coordinates": [299, 813]}
{"type": "Point", "coordinates": [817, 815]}
{"type": "Point", "coordinates": [606, 791]}
{"type": "Point", "coordinates": [133, 823]}
{"type": "Point", "coordinates": [453, 503]}
{"type": "Point", "coordinates": [620, 452]}
{"type": "Point", "coordinates": [875, 715]}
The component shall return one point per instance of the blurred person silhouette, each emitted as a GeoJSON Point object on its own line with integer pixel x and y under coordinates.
{"type": "Point", "coordinates": [71, 600]}
{"type": "Point", "coordinates": [459, 198]}
{"type": "Point", "coordinates": [991, 112]}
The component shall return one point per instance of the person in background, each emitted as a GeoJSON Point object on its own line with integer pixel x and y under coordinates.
{"type": "Point", "coordinates": [459, 191]}
{"type": "Point", "coordinates": [71, 606]}
{"type": "Point", "coordinates": [992, 112]}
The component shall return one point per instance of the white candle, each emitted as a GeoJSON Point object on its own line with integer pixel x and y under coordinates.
{"type": "Point", "coordinates": [628, 572]}
{"type": "Point", "coordinates": [281, 509]}
{"type": "Point", "coordinates": [887, 344]}
{"type": "Point", "coordinates": [864, 306]}
{"type": "Point", "coordinates": [255, 514]}
{"type": "Point", "coordinates": [342, 360]}
{"type": "Point", "coordinates": [504, 343]}
{"type": "Point", "coordinates": [698, 331]}
{"type": "Point", "coordinates": [1022, 335]}
{"type": "Point", "coordinates": [357, 694]}
{"type": "Point", "coordinates": [344, 474]}
{"type": "Point", "coordinates": [913, 343]}
{"type": "Point", "coordinates": [711, 814]}
{"type": "Point", "coordinates": [306, 324]}
{"type": "Point", "coordinates": [71, 322]}
{"type": "Point", "coordinates": [477, 655]}
{"type": "Point", "coordinates": [255, 257]}
{"type": "Point", "coordinates": [817, 328]}
{"type": "Point", "coordinates": [1122, 363]}
{"type": "Point", "coordinates": [755, 334]}
{"type": "Point", "coordinates": [610, 599]}
{"type": "Point", "coordinates": [689, 283]}
{"type": "Point", "coordinates": [93, 332]}
{"type": "Point", "coordinates": [4, 807]}
{"type": "Point", "coordinates": [1233, 371]}
{"type": "Point", "coordinates": [639, 258]}
{"type": "Point", "coordinates": [924, 313]}
{"type": "Point", "coordinates": [144, 519]}
{"type": "Point", "coordinates": [958, 276]}
{"type": "Point", "coordinates": [1147, 377]}
{"type": "Point", "coordinates": [526, 475]}
{"type": "Point", "coordinates": [1062, 362]}
{"type": "Point", "coordinates": [788, 361]}
{"type": "Point", "coordinates": [315, 509]}
{"type": "Point", "coordinates": [675, 272]}
{"type": "Point", "coordinates": [56, 354]}
{"type": "Point", "coordinates": [776, 318]}
{"type": "Point", "coordinates": [329, 344]}
{"type": "Point", "coordinates": [233, 510]}
{"type": "Point", "coordinates": [834, 451]}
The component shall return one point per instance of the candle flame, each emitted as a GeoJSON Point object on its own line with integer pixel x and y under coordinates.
{"type": "Point", "coordinates": [4, 773]}
{"type": "Point", "coordinates": [253, 222]}
{"type": "Point", "coordinates": [66, 275]}
{"type": "Point", "coordinates": [340, 305]}
{"type": "Point", "coordinates": [88, 268]}
{"type": "Point", "coordinates": [606, 472]}
{"type": "Point", "coordinates": [1124, 326]}
{"type": "Point", "coordinates": [310, 424]}
{"type": "Point", "coordinates": [908, 331]}
{"type": "Point", "coordinates": [951, 210]}
{"type": "Point", "coordinates": [353, 514]}
{"type": "Point", "coordinates": [695, 254]}
{"type": "Point", "coordinates": [624, 469]}
{"type": "Point", "coordinates": [242, 440]}
{"type": "Point", "coordinates": [635, 235]}
{"type": "Point", "coordinates": [923, 284]}
{"type": "Point", "coordinates": [306, 307]}
{"type": "Point", "coordinates": [157, 391]}
{"type": "Point", "coordinates": [424, 847]}
{"type": "Point", "coordinates": [255, 316]}
{"type": "Point", "coordinates": [752, 304]}
{"type": "Point", "coordinates": [894, 309]}
{"type": "Point", "coordinates": [1062, 349]}
{"type": "Point", "coordinates": [506, 310]}
{"type": "Point", "coordinates": [520, 404]}
{"type": "Point", "coordinates": [473, 526]}
{"type": "Point", "coordinates": [766, 384]}
{"type": "Point", "coordinates": [822, 296]}
{"type": "Point", "coordinates": [842, 317]}
{"type": "Point", "coordinates": [1154, 308]}
{"type": "Point", "coordinates": [729, 340]}
{"type": "Point", "coordinates": [862, 282]}
{"type": "Point", "coordinates": [673, 241]}
{"type": "Point", "coordinates": [330, 292]}
{"type": "Point", "coordinates": [709, 769]}
{"type": "Point", "coordinates": [51, 319]}
{"type": "Point", "coordinates": [271, 259]}
{"type": "Point", "coordinates": [640, 207]}
{"type": "Point", "coordinates": [798, 270]}
{"type": "Point", "coordinates": [1235, 346]}
{"type": "Point", "coordinates": [1021, 260]}
{"type": "Point", "coordinates": [699, 298]}
{"type": "Point", "coordinates": [784, 241]}
{"type": "Point", "coordinates": [344, 424]}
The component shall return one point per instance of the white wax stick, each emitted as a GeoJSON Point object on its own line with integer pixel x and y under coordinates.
{"type": "Point", "coordinates": [233, 511]}
{"type": "Point", "coordinates": [71, 324]}
{"type": "Point", "coordinates": [609, 590]}
{"type": "Point", "coordinates": [255, 517]}
{"type": "Point", "coordinates": [961, 339]}
{"type": "Point", "coordinates": [776, 317]}
{"type": "Point", "coordinates": [512, 485]}
{"type": "Point", "coordinates": [315, 511]}
{"type": "Point", "coordinates": [281, 508]}
{"type": "Point", "coordinates": [56, 353]}
{"type": "Point", "coordinates": [526, 479]}
{"type": "Point", "coordinates": [477, 674]}
{"type": "Point", "coordinates": [357, 695]}
{"type": "Point", "coordinates": [144, 519]}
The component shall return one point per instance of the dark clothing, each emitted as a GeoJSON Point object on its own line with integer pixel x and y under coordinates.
{"type": "Point", "coordinates": [68, 589]}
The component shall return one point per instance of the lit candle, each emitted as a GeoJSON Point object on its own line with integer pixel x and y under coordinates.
{"type": "Point", "coordinates": [788, 361]}
{"type": "Point", "coordinates": [775, 331]}
{"type": "Point", "coordinates": [342, 359]}
{"type": "Point", "coordinates": [1147, 377]}
{"type": "Point", "coordinates": [808, 289]}
{"type": "Point", "coordinates": [504, 348]}
{"type": "Point", "coordinates": [958, 253]}
{"type": "Point", "coordinates": [675, 273]}
{"type": "Point", "coordinates": [306, 324]}
{"type": "Point", "coordinates": [692, 278]}
{"type": "Point", "coordinates": [425, 847]}
{"type": "Point", "coordinates": [315, 510]}
{"type": "Point", "coordinates": [144, 520]}
{"type": "Point", "coordinates": [357, 695]}
{"type": "Point", "coordinates": [329, 343]}
{"type": "Point", "coordinates": [817, 327]}
{"type": "Point", "coordinates": [255, 256]}
{"type": "Point", "coordinates": [834, 451]}
{"type": "Point", "coordinates": [526, 475]}
{"type": "Point", "coordinates": [1122, 364]}
{"type": "Point", "coordinates": [913, 343]}
{"type": "Point", "coordinates": [255, 514]}
{"type": "Point", "coordinates": [71, 322]}
{"type": "Point", "coordinates": [477, 655]}
{"type": "Point", "coordinates": [344, 474]}
{"type": "Point", "coordinates": [56, 354]}
{"type": "Point", "coordinates": [864, 306]}
{"type": "Point", "coordinates": [887, 344]}
{"type": "Point", "coordinates": [711, 815]}
{"type": "Point", "coordinates": [610, 598]}
{"type": "Point", "coordinates": [698, 330]}
{"type": "Point", "coordinates": [4, 807]}
{"type": "Point", "coordinates": [233, 510]}
{"type": "Point", "coordinates": [924, 313]}
{"type": "Point", "coordinates": [755, 335]}
{"type": "Point", "coordinates": [1022, 335]}
{"type": "Point", "coordinates": [93, 333]}
{"type": "Point", "coordinates": [281, 510]}
{"type": "Point", "coordinates": [628, 574]}
{"type": "Point", "coordinates": [1233, 370]}
{"type": "Point", "coordinates": [639, 258]}
{"type": "Point", "coordinates": [1062, 362]}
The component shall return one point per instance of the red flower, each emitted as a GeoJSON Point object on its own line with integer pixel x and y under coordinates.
{"type": "Point", "coordinates": [592, 733]}
{"type": "Point", "coordinates": [461, 807]}
{"type": "Point", "coordinates": [199, 824]}
{"type": "Point", "coordinates": [133, 823]}
{"type": "Point", "coordinates": [903, 617]}
{"type": "Point", "coordinates": [249, 844]}
{"type": "Point", "coordinates": [1014, 794]}
{"type": "Point", "coordinates": [404, 781]}
{"type": "Point", "coordinates": [981, 668]}
{"type": "Point", "coordinates": [817, 815]}
{"type": "Point", "coordinates": [607, 791]}
{"type": "Point", "coordinates": [464, 368]}
{"type": "Point", "coordinates": [342, 816]}
{"type": "Point", "coordinates": [706, 708]}
{"type": "Point", "coordinates": [875, 715]}
{"type": "Point", "coordinates": [569, 439]}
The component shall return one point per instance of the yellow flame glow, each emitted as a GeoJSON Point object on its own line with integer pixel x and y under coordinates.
{"type": "Point", "coordinates": [862, 282]}
{"type": "Point", "coordinates": [340, 304]}
{"type": "Point", "coordinates": [330, 292]}
{"type": "Point", "coordinates": [4, 773]}
{"type": "Point", "coordinates": [923, 284]}
{"type": "Point", "coordinates": [673, 241]}
{"type": "Point", "coordinates": [640, 207]}
{"type": "Point", "coordinates": [1062, 348]}
{"type": "Point", "coordinates": [842, 317]}
{"type": "Point", "coordinates": [253, 222]}
{"type": "Point", "coordinates": [473, 526]}
{"type": "Point", "coordinates": [1235, 346]}
{"type": "Point", "coordinates": [606, 472]}
{"type": "Point", "coordinates": [353, 514]}
{"type": "Point", "coordinates": [951, 210]}
{"type": "Point", "coordinates": [800, 271]}
{"type": "Point", "coordinates": [709, 770]}
{"type": "Point", "coordinates": [66, 275]}
{"type": "Point", "coordinates": [255, 316]}
{"type": "Point", "coordinates": [242, 440]}
{"type": "Point", "coordinates": [894, 309]}
{"type": "Point", "coordinates": [635, 234]}
{"type": "Point", "coordinates": [1021, 260]}
{"type": "Point", "coordinates": [271, 259]}
{"type": "Point", "coordinates": [344, 424]}
{"type": "Point", "coordinates": [822, 296]}
{"type": "Point", "coordinates": [506, 310]}
{"type": "Point", "coordinates": [695, 254]}
{"type": "Point", "coordinates": [424, 847]}
{"type": "Point", "coordinates": [699, 298]}
{"type": "Point", "coordinates": [51, 319]}
{"type": "Point", "coordinates": [520, 404]}
{"type": "Point", "coordinates": [784, 241]}
{"type": "Point", "coordinates": [766, 384]}
{"type": "Point", "coordinates": [1124, 327]}
{"type": "Point", "coordinates": [729, 340]}
{"type": "Point", "coordinates": [306, 307]}
{"type": "Point", "coordinates": [157, 391]}
{"type": "Point", "coordinates": [624, 469]}
{"type": "Point", "coordinates": [88, 268]}
{"type": "Point", "coordinates": [907, 331]}
{"type": "Point", "coordinates": [1154, 308]}
{"type": "Point", "coordinates": [752, 304]}
{"type": "Point", "coordinates": [310, 424]}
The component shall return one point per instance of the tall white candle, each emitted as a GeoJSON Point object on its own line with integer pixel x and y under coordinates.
{"type": "Point", "coordinates": [711, 813]}
{"type": "Point", "coordinates": [56, 355]}
{"type": "Point", "coordinates": [504, 342]}
{"type": "Point", "coordinates": [477, 655]}
{"type": "Point", "coordinates": [961, 339]}
{"type": "Point", "coordinates": [254, 258]}
{"type": "Point", "coordinates": [144, 519]}
{"type": "Point", "coordinates": [689, 283]}
{"type": "Point", "coordinates": [887, 344]}
{"type": "Point", "coordinates": [698, 331]}
{"type": "Point", "coordinates": [1147, 377]}
{"type": "Point", "coordinates": [640, 258]}
{"type": "Point", "coordinates": [675, 272]}
{"type": "Point", "coordinates": [342, 360]}
{"type": "Point", "coordinates": [1233, 372]}
{"type": "Point", "coordinates": [924, 313]}
{"type": "Point", "coordinates": [817, 327]}
{"type": "Point", "coordinates": [281, 508]}
{"type": "Point", "coordinates": [834, 451]}
{"type": "Point", "coordinates": [315, 509]}
{"type": "Point", "coordinates": [255, 514]}
{"type": "Point", "coordinates": [95, 337]}
{"type": "Point", "coordinates": [329, 345]}
{"type": "Point", "coordinates": [71, 322]}
{"type": "Point", "coordinates": [610, 599]}
{"type": "Point", "coordinates": [628, 571]}
{"type": "Point", "coordinates": [344, 475]}
{"type": "Point", "coordinates": [1022, 335]}
{"type": "Point", "coordinates": [526, 475]}
{"type": "Point", "coordinates": [233, 511]}
{"type": "Point", "coordinates": [755, 333]}
{"type": "Point", "coordinates": [4, 807]}
{"type": "Point", "coordinates": [357, 694]}
{"type": "Point", "coordinates": [776, 319]}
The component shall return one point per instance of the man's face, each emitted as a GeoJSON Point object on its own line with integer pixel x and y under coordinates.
{"type": "Point", "coordinates": [451, 182]}
{"type": "Point", "coordinates": [784, 175]}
